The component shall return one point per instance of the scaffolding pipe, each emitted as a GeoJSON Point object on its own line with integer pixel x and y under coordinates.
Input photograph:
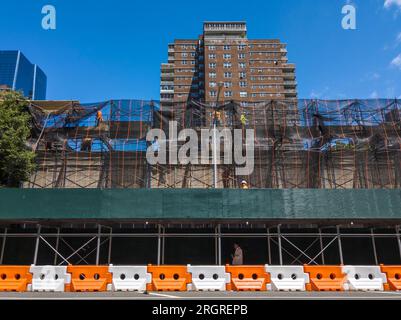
{"type": "Point", "coordinates": [3, 246]}
{"type": "Point", "coordinates": [397, 228]}
{"type": "Point", "coordinates": [280, 254]}
{"type": "Point", "coordinates": [35, 257]}
{"type": "Point", "coordinates": [57, 246]}
{"type": "Point", "coordinates": [158, 246]}
{"type": "Point", "coordinates": [99, 230]}
{"type": "Point", "coordinates": [110, 245]}
{"type": "Point", "coordinates": [374, 247]}
{"type": "Point", "coordinates": [268, 246]}
{"type": "Point", "coordinates": [340, 248]}
{"type": "Point", "coordinates": [321, 245]}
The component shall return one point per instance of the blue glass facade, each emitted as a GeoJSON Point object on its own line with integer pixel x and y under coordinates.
{"type": "Point", "coordinates": [18, 73]}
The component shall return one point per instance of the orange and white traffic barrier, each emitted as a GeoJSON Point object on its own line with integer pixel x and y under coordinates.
{"type": "Point", "coordinates": [393, 275]}
{"type": "Point", "coordinates": [248, 278]}
{"type": "Point", "coordinates": [169, 278]}
{"type": "Point", "coordinates": [15, 278]}
{"type": "Point", "coordinates": [325, 278]}
{"type": "Point", "coordinates": [89, 278]}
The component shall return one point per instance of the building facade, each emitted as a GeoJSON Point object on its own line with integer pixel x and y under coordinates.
{"type": "Point", "coordinates": [223, 64]}
{"type": "Point", "coordinates": [18, 73]}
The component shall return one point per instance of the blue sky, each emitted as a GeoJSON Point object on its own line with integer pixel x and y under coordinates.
{"type": "Point", "coordinates": [113, 49]}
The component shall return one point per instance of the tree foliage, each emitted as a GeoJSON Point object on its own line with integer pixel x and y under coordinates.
{"type": "Point", "coordinates": [16, 159]}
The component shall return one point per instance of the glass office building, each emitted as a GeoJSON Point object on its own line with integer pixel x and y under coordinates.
{"type": "Point", "coordinates": [18, 73]}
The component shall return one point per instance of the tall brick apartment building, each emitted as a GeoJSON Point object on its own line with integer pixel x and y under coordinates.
{"type": "Point", "coordinates": [223, 57]}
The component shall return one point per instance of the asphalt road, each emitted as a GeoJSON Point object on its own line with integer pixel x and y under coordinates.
{"type": "Point", "coordinates": [201, 296]}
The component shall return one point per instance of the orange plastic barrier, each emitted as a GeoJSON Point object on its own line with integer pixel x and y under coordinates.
{"type": "Point", "coordinates": [393, 274]}
{"type": "Point", "coordinates": [14, 278]}
{"type": "Point", "coordinates": [89, 278]}
{"type": "Point", "coordinates": [248, 278]}
{"type": "Point", "coordinates": [325, 278]}
{"type": "Point", "coordinates": [169, 278]}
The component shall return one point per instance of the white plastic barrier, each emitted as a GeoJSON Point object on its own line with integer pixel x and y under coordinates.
{"type": "Point", "coordinates": [364, 278]}
{"type": "Point", "coordinates": [129, 278]}
{"type": "Point", "coordinates": [49, 278]}
{"type": "Point", "coordinates": [287, 278]}
{"type": "Point", "coordinates": [208, 278]}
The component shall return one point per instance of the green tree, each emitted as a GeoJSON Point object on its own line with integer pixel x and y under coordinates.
{"type": "Point", "coordinates": [16, 159]}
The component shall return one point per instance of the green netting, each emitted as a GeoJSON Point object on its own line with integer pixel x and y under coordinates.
{"type": "Point", "coordinates": [192, 204]}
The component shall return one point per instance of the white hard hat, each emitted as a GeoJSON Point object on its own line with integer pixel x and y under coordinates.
{"type": "Point", "coordinates": [243, 181]}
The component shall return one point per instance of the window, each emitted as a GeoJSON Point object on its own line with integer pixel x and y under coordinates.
{"type": "Point", "coordinates": [212, 65]}
{"type": "Point", "coordinates": [192, 62]}
{"type": "Point", "coordinates": [242, 84]}
{"type": "Point", "coordinates": [212, 48]}
{"type": "Point", "coordinates": [228, 84]}
{"type": "Point", "coordinates": [242, 75]}
{"type": "Point", "coordinates": [242, 65]}
{"type": "Point", "coordinates": [241, 47]}
{"type": "Point", "coordinates": [200, 57]}
{"type": "Point", "coordinates": [227, 75]}
{"type": "Point", "coordinates": [212, 84]}
{"type": "Point", "coordinates": [241, 56]}
{"type": "Point", "coordinates": [193, 54]}
{"type": "Point", "coordinates": [228, 93]}
{"type": "Point", "coordinates": [227, 56]}
{"type": "Point", "coordinates": [227, 65]}
{"type": "Point", "coordinates": [213, 93]}
{"type": "Point", "coordinates": [243, 94]}
{"type": "Point", "coordinates": [212, 75]}
{"type": "Point", "coordinates": [226, 47]}
{"type": "Point", "coordinates": [184, 62]}
{"type": "Point", "coordinates": [212, 56]}
{"type": "Point", "coordinates": [184, 54]}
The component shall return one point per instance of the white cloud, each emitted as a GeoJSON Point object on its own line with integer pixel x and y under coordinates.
{"type": "Point", "coordinates": [399, 38]}
{"type": "Point", "coordinates": [396, 62]}
{"type": "Point", "coordinates": [390, 3]}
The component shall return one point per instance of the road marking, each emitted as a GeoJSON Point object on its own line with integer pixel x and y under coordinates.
{"type": "Point", "coordinates": [164, 295]}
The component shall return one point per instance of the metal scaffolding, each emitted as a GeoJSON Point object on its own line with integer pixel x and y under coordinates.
{"type": "Point", "coordinates": [287, 246]}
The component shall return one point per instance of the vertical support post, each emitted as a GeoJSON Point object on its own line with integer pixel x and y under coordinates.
{"type": "Point", "coordinates": [219, 243]}
{"type": "Point", "coordinates": [110, 245]}
{"type": "Point", "coordinates": [397, 229]}
{"type": "Point", "coordinates": [280, 253]}
{"type": "Point", "coordinates": [214, 156]}
{"type": "Point", "coordinates": [163, 244]}
{"type": "Point", "coordinates": [99, 230]}
{"type": "Point", "coordinates": [35, 257]}
{"type": "Point", "coordinates": [216, 248]}
{"type": "Point", "coordinates": [269, 252]}
{"type": "Point", "coordinates": [158, 245]}
{"type": "Point", "coordinates": [57, 246]}
{"type": "Point", "coordinates": [321, 245]}
{"type": "Point", "coordinates": [340, 248]}
{"type": "Point", "coordinates": [3, 246]}
{"type": "Point", "coordinates": [374, 246]}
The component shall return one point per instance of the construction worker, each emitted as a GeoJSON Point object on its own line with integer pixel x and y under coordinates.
{"type": "Point", "coordinates": [244, 185]}
{"type": "Point", "coordinates": [99, 118]}
{"type": "Point", "coordinates": [243, 119]}
{"type": "Point", "coordinates": [86, 144]}
{"type": "Point", "coordinates": [217, 117]}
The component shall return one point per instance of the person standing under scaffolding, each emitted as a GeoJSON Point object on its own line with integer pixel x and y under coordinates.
{"type": "Point", "coordinates": [237, 257]}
